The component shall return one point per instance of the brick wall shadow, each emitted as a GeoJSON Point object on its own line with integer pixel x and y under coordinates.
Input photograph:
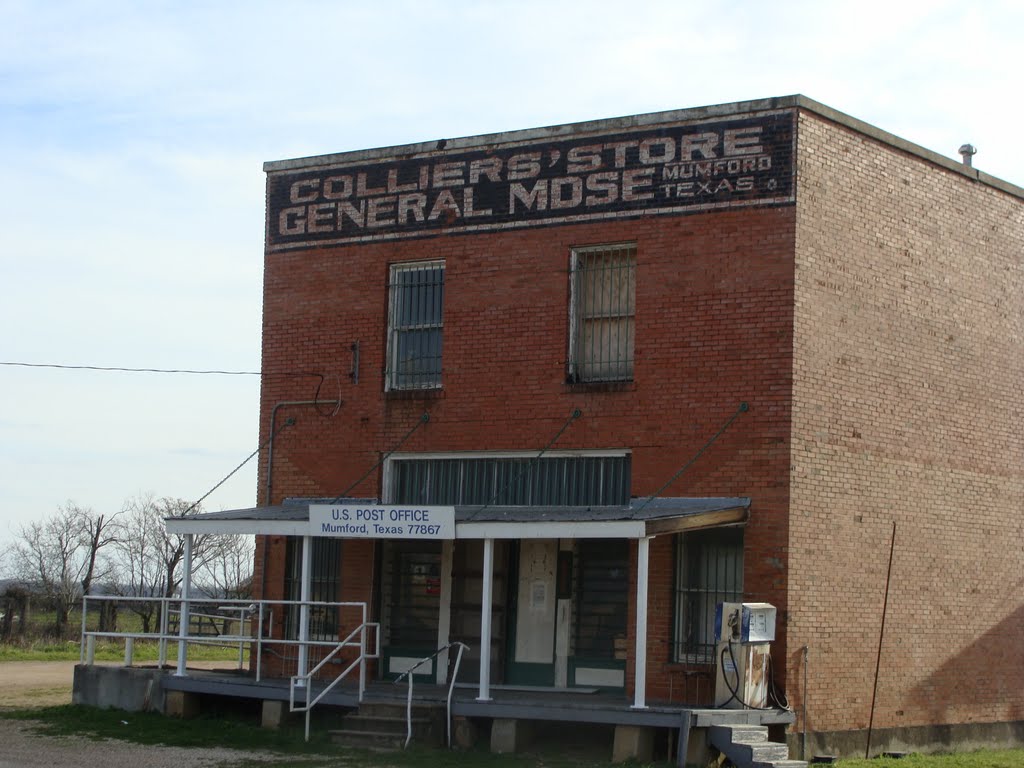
{"type": "Point", "coordinates": [984, 682]}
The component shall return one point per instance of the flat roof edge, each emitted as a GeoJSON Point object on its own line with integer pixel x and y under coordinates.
{"type": "Point", "coordinates": [544, 132]}
{"type": "Point", "coordinates": [871, 131]}
{"type": "Point", "coordinates": [691, 114]}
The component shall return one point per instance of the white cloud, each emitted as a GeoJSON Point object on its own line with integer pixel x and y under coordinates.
{"type": "Point", "coordinates": [132, 138]}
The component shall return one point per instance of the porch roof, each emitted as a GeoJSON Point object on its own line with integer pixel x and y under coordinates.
{"type": "Point", "coordinates": [640, 518]}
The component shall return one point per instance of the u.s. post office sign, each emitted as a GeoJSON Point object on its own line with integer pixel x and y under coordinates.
{"type": "Point", "coordinates": [380, 521]}
{"type": "Point", "coordinates": [661, 169]}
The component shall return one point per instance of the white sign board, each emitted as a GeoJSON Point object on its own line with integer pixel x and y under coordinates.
{"type": "Point", "coordinates": [380, 521]}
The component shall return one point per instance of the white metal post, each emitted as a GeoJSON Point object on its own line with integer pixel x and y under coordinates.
{"type": "Point", "coordinates": [259, 643]}
{"type": "Point", "coordinates": [485, 622]}
{"type": "Point", "coordinates": [165, 609]}
{"type": "Point", "coordinates": [85, 610]}
{"type": "Point", "coordinates": [362, 653]}
{"type": "Point", "coordinates": [444, 615]}
{"type": "Point", "coordinates": [640, 654]}
{"type": "Point", "coordinates": [242, 614]}
{"type": "Point", "coordinates": [186, 595]}
{"type": "Point", "coordinates": [307, 570]}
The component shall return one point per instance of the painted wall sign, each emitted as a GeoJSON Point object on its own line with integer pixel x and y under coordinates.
{"type": "Point", "coordinates": [672, 168]}
{"type": "Point", "coordinates": [382, 521]}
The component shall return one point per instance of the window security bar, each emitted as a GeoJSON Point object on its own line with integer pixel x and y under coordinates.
{"type": "Point", "coordinates": [602, 314]}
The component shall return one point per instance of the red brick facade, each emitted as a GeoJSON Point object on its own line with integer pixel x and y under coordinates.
{"type": "Point", "coordinates": [874, 328]}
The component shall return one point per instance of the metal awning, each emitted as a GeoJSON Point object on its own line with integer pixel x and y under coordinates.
{"type": "Point", "coordinates": [641, 518]}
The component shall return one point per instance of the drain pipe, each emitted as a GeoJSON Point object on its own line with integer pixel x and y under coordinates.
{"type": "Point", "coordinates": [803, 711]}
{"type": "Point", "coordinates": [270, 466]}
{"type": "Point", "coordinates": [270, 446]}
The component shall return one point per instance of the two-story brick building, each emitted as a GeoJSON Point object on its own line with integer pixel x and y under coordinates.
{"type": "Point", "coordinates": [655, 363]}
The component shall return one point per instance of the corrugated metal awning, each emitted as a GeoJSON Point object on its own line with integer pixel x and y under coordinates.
{"type": "Point", "coordinates": [640, 518]}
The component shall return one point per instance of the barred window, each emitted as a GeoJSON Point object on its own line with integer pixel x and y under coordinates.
{"type": "Point", "coordinates": [324, 586]}
{"type": "Point", "coordinates": [512, 480]}
{"type": "Point", "coordinates": [602, 597]}
{"type": "Point", "coordinates": [603, 305]}
{"type": "Point", "coordinates": [709, 571]}
{"type": "Point", "coordinates": [416, 303]}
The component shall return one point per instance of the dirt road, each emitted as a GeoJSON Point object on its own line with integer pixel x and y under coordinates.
{"type": "Point", "coordinates": [35, 683]}
{"type": "Point", "coordinates": [48, 683]}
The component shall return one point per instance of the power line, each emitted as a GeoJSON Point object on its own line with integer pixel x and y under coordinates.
{"type": "Point", "coordinates": [288, 423]}
{"type": "Point", "coordinates": [140, 370]}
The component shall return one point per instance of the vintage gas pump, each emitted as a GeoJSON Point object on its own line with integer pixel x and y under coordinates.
{"type": "Point", "coordinates": [744, 632]}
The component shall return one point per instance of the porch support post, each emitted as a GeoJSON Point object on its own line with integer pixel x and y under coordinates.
{"type": "Point", "coordinates": [307, 569]}
{"type": "Point", "coordinates": [640, 653]}
{"type": "Point", "coordinates": [444, 618]}
{"type": "Point", "coordinates": [186, 595]}
{"type": "Point", "coordinates": [485, 622]}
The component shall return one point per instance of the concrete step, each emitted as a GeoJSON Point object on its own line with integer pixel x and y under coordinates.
{"type": "Point", "coordinates": [421, 726]}
{"type": "Point", "coordinates": [781, 764]}
{"type": "Point", "coordinates": [747, 746]}
{"type": "Point", "coordinates": [368, 740]}
{"type": "Point", "coordinates": [739, 734]}
{"type": "Point", "coordinates": [749, 754]}
{"type": "Point", "coordinates": [398, 709]}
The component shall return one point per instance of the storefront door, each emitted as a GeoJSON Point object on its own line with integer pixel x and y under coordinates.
{"type": "Point", "coordinates": [411, 575]}
{"type": "Point", "coordinates": [532, 644]}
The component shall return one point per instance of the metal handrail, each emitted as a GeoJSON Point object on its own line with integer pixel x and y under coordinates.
{"type": "Point", "coordinates": [451, 686]}
{"type": "Point", "coordinates": [263, 610]}
{"type": "Point", "coordinates": [359, 661]}
{"type": "Point", "coordinates": [254, 612]}
{"type": "Point", "coordinates": [163, 635]}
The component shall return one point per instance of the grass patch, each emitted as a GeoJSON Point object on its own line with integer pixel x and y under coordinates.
{"type": "Point", "coordinates": [236, 731]}
{"type": "Point", "coordinates": [222, 730]}
{"type": "Point", "coordinates": [43, 650]}
{"type": "Point", "coordinates": [986, 758]}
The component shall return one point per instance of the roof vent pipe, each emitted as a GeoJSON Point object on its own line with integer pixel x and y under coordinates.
{"type": "Point", "coordinates": [967, 151]}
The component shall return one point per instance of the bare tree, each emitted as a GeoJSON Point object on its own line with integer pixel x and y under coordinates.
{"type": "Point", "coordinates": [150, 559]}
{"type": "Point", "coordinates": [97, 531]}
{"type": "Point", "coordinates": [139, 568]}
{"type": "Point", "coordinates": [227, 572]}
{"type": "Point", "coordinates": [62, 555]}
{"type": "Point", "coordinates": [205, 547]}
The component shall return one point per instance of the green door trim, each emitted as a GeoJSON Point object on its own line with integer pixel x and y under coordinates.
{"type": "Point", "coordinates": [527, 672]}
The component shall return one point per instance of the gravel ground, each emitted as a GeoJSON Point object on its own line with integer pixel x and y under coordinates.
{"type": "Point", "coordinates": [48, 683]}
{"type": "Point", "coordinates": [20, 748]}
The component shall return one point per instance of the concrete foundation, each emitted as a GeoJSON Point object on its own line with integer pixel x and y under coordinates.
{"type": "Point", "coordinates": [181, 704]}
{"type": "Point", "coordinates": [697, 750]}
{"type": "Point", "coordinates": [128, 688]}
{"type": "Point", "coordinates": [633, 743]}
{"type": "Point", "coordinates": [464, 733]}
{"type": "Point", "coordinates": [923, 738]}
{"type": "Point", "coordinates": [509, 735]}
{"type": "Point", "coordinates": [273, 714]}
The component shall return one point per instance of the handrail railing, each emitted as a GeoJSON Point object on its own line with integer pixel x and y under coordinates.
{"type": "Point", "coordinates": [360, 661]}
{"type": "Point", "coordinates": [251, 630]}
{"type": "Point", "coordinates": [251, 621]}
{"type": "Point", "coordinates": [451, 685]}
{"type": "Point", "coordinates": [167, 607]}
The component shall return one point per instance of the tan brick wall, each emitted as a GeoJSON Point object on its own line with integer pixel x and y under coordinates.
{"type": "Point", "coordinates": [908, 384]}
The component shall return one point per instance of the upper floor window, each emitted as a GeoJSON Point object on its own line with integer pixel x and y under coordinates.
{"type": "Point", "coordinates": [415, 325]}
{"type": "Point", "coordinates": [601, 313]}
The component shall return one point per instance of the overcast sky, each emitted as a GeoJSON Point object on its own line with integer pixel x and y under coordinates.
{"type": "Point", "coordinates": [133, 134]}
